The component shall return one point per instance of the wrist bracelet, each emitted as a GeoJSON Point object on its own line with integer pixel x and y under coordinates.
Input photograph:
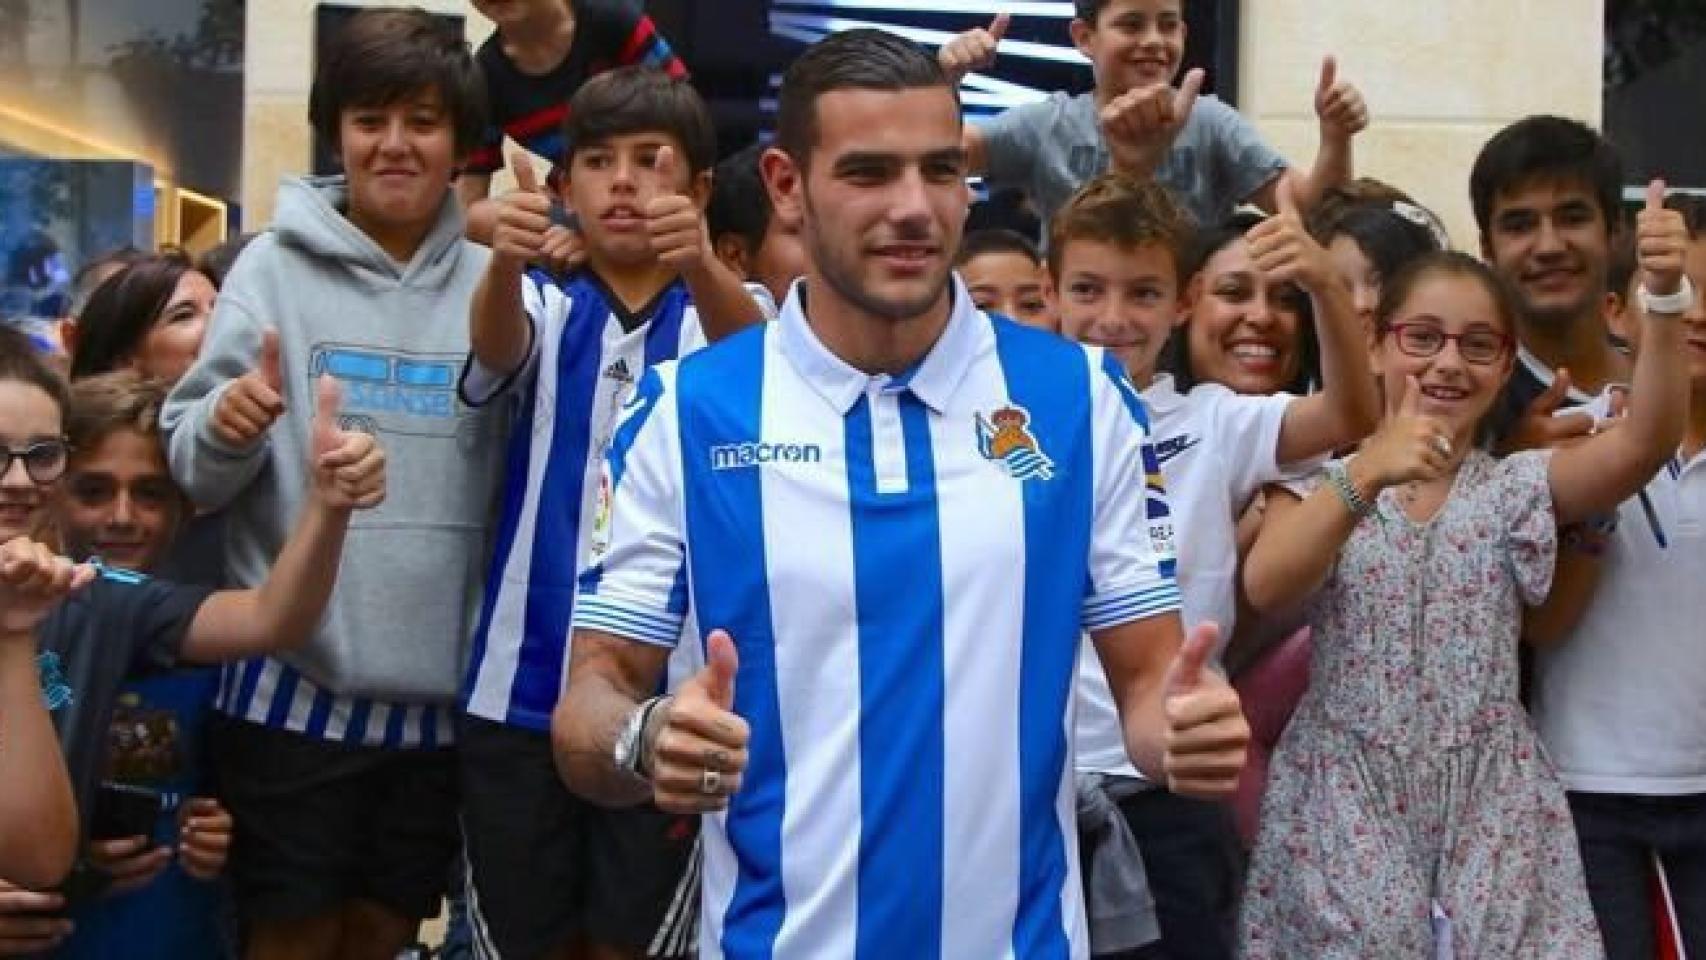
{"type": "Point", "coordinates": [643, 761]}
{"type": "Point", "coordinates": [1670, 304]}
{"type": "Point", "coordinates": [1340, 477]}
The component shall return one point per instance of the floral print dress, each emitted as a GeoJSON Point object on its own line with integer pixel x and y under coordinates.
{"type": "Point", "coordinates": [1410, 804]}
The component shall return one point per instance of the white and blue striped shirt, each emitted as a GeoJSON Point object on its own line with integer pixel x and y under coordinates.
{"type": "Point", "coordinates": [905, 566]}
{"type": "Point", "coordinates": [584, 360]}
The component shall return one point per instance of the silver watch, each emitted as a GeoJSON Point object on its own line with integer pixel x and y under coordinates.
{"type": "Point", "coordinates": [630, 752]}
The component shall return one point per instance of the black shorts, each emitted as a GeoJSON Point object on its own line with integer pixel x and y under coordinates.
{"type": "Point", "coordinates": [546, 867]}
{"type": "Point", "coordinates": [320, 823]}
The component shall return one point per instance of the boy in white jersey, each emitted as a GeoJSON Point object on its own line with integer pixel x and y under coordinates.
{"type": "Point", "coordinates": [547, 870]}
{"type": "Point", "coordinates": [1118, 253]}
{"type": "Point", "coordinates": [893, 514]}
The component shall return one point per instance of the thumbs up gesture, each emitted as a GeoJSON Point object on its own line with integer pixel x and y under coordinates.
{"type": "Point", "coordinates": [1207, 734]}
{"type": "Point", "coordinates": [524, 218]}
{"type": "Point", "coordinates": [1661, 243]}
{"type": "Point", "coordinates": [674, 221]}
{"type": "Point", "coordinates": [250, 405]}
{"type": "Point", "coordinates": [348, 466]}
{"type": "Point", "coordinates": [695, 743]}
{"type": "Point", "coordinates": [1338, 105]}
{"type": "Point", "coordinates": [1140, 125]}
{"type": "Point", "coordinates": [1284, 251]}
{"type": "Point", "coordinates": [1408, 447]}
{"type": "Point", "coordinates": [973, 50]}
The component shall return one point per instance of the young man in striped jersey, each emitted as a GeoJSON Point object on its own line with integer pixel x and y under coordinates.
{"type": "Point", "coordinates": [892, 515]}
{"type": "Point", "coordinates": [550, 873]}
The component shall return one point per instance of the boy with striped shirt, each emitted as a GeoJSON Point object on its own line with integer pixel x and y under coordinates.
{"type": "Point", "coordinates": [547, 869]}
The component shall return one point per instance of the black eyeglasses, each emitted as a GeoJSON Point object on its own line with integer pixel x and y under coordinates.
{"type": "Point", "coordinates": [44, 460]}
{"type": "Point", "coordinates": [1480, 347]}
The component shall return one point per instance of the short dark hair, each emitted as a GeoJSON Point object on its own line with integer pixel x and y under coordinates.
{"type": "Point", "coordinates": [641, 99]}
{"type": "Point", "coordinates": [1621, 267]}
{"type": "Point", "coordinates": [1123, 212]}
{"type": "Point", "coordinates": [996, 240]}
{"type": "Point", "coordinates": [1089, 10]}
{"type": "Point", "coordinates": [740, 204]}
{"type": "Point", "coordinates": [863, 59]}
{"type": "Point", "coordinates": [386, 54]}
{"type": "Point", "coordinates": [105, 404]}
{"type": "Point", "coordinates": [1547, 147]}
{"type": "Point", "coordinates": [216, 263]}
{"type": "Point", "coordinates": [20, 363]}
{"type": "Point", "coordinates": [122, 311]}
{"type": "Point", "coordinates": [1388, 234]}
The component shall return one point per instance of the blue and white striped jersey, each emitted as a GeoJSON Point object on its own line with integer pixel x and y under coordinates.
{"type": "Point", "coordinates": [582, 365]}
{"type": "Point", "coordinates": [905, 566]}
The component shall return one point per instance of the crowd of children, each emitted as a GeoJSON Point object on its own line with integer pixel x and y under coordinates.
{"type": "Point", "coordinates": [300, 546]}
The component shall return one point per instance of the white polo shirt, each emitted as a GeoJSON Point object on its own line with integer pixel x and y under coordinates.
{"type": "Point", "coordinates": [1216, 449]}
{"type": "Point", "coordinates": [905, 566]}
{"type": "Point", "coordinates": [1621, 703]}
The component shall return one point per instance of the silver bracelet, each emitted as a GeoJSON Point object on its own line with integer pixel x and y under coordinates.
{"type": "Point", "coordinates": [1340, 478]}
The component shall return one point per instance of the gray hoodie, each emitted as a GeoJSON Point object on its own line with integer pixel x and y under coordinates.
{"type": "Point", "coordinates": [395, 335]}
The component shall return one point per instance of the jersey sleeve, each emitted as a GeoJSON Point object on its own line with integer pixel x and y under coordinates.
{"type": "Point", "coordinates": [546, 307]}
{"type": "Point", "coordinates": [1132, 557]}
{"type": "Point", "coordinates": [159, 614]}
{"type": "Point", "coordinates": [631, 37]}
{"type": "Point", "coordinates": [1246, 438]}
{"type": "Point", "coordinates": [635, 583]}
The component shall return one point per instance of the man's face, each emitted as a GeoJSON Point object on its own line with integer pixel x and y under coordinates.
{"type": "Point", "coordinates": [1124, 300]}
{"type": "Point", "coordinates": [1133, 43]}
{"type": "Point", "coordinates": [1550, 240]}
{"type": "Point", "coordinates": [117, 502]}
{"type": "Point", "coordinates": [399, 160]}
{"type": "Point", "coordinates": [609, 186]}
{"type": "Point", "coordinates": [1009, 283]}
{"type": "Point", "coordinates": [883, 199]}
{"type": "Point", "coordinates": [1694, 321]}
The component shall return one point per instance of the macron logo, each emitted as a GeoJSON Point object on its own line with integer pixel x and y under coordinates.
{"type": "Point", "coordinates": [738, 456]}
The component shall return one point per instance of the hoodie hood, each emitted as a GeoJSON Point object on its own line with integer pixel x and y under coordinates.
{"type": "Point", "coordinates": [310, 215]}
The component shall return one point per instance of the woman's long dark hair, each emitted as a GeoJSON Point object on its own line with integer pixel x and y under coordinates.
{"type": "Point", "coordinates": [122, 311]}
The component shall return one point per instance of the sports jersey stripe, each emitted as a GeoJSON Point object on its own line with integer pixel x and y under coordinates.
{"type": "Point", "coordinates": [980, 857]}
{"type": "Point", "coordinates": [282, 698]}
{"type": "Point", "coordinates": [517, 467]}
{"type": "Point", "coordinates": [536, 122]}
{"type": "Point", "coordinates": [319, 715]}
{"type": "Point", "coordinates": [644, 32]}
{"type": "Point", "coordinates": [283, 695]}
{"type": "Point", "coordinates": [1053, 387]}
{"type": "Point", "coordinates": [556, 532]}
{"type": "Point", "coordinates": [245, 696]}
{"type": "Point", "coordinates": [818, 681]}
{"type": "Point", "coordinates": [721, 394]}
{"type": "Point", "coordinates": [901, 688]}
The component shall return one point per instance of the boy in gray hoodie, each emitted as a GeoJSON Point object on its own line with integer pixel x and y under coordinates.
{"type": "Point", "coordinates": [336, 758]}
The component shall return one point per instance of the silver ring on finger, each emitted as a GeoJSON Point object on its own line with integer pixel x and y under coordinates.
{"type": "Point", "coordinates": [710, 783]}
{"type": "Point", "coordinates": [1442, 443]}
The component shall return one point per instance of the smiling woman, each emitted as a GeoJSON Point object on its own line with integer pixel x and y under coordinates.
{"type": "Point", "coordinates": [151, 316]}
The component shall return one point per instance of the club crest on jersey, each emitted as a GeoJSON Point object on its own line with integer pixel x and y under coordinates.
{"type": "Point", "coordinates": [1004, 437]}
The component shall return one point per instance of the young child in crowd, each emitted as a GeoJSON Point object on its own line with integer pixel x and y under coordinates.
{"type": "Point", "coordinates": [1372, 240]}
{"type": "Point", "coordinates": [336, 761]}
{"type": "Point", "coordinates": [746, 233]}
{"type": "Point", "coordinates": [1118, 259]}
{"type": "Point", "coordinates": [123, 623]}
{"type": "Point", "coordinates": [1411, 810]}
{"type": "Point", "coordinates": [1004, 274]}
{"type": "Point", "coordinates": [548, 869]}
{"type": "Point", "coordinates": [1136, 122]}
{"type": "Point", "coordinates": [539, 55]}
{"type": "Point", "coordinates": [38, 817]}
{"type": "Point", "coordinates": [117, 503]}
